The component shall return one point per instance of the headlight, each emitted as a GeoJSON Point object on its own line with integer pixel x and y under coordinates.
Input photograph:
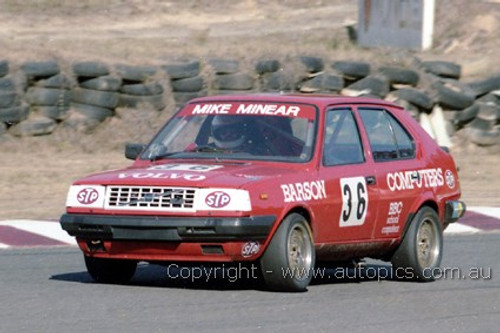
{"type": "Point", "coordinates": [88, 196]}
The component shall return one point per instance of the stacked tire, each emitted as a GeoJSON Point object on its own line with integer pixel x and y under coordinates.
{"type": "Point", "coordinates": [272, 77]}
{"type": "Point", "coordinates": [48, 95]}
{"type": "Point", "coordinates": [140, 87]}
{"type": "Point", "coordinates": [12, 110]}
{"type": "Point", "coordinates": [96, 95]}
{"type": "Point", "coordinates": [229, 79]}
{"type": "Point", "coordinates": [186, 80]}
{"type": "Point", "coordinates": [317, 80]}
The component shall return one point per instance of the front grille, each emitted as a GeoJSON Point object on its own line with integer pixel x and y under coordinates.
{"type": "Point", "coordinates": [149, 198]}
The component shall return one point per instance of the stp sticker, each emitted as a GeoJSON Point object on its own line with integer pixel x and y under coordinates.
{"type": "Point", "coordinates": [450, 179]}
{"type": "Point", "coordinates": [218, 199]}
{"type": "Point", "coordinates": [249, 249]}
{"type": "Point", "coordinates": [87, 196]}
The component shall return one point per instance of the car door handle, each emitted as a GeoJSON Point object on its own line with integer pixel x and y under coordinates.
{"type": "Point", "coordinates": [370, 180]}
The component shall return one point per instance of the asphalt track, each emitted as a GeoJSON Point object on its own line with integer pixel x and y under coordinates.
{"type": "Point", "coordinates": [44, 288]}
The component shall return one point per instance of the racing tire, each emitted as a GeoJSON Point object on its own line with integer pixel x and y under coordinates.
{"type": "Point", "coordinates": [110, 270]}
{"type": "Point", "coordinates": [289, 259]}
{"type": "Point", "coordinates": [421, 249]}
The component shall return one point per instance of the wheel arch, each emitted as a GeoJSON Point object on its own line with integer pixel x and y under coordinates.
{"type": "Point", "coordinates": [427, 203]}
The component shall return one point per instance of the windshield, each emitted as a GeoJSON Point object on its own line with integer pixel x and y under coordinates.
{"type": "Point", "coordinates": [237, 130]}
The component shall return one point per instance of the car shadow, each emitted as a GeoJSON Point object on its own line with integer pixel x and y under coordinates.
{"type": "Point", "coordinates": [182, 277]}
{"type": "Point", "coordinates": [235, 277]}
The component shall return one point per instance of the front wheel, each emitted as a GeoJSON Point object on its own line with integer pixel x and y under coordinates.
{"type": "Point", "coordinates": [288, 261]}
{"type": "Point", "coordinates": [420, 251]}
{"type": "Point", "coordinates": [110, 270]}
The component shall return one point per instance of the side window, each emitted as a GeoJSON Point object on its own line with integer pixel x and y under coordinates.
{"type": "Point", "coordinates": [388, 139]}
{"type": "Point", "coordinates": [342, 143]}
{"type": "Point", "coordinates": [406, 147]}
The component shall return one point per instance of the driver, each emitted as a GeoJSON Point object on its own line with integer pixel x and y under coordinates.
{"type": "Point", "coordinates": [229, 132]}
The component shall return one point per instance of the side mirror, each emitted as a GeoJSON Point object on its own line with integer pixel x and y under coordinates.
{"type": "Point", "coordinates": [132, 150]}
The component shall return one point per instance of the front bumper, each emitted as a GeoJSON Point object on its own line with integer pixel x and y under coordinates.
{"type": "Point", "coordinates": [170, 229]}
{"type": "Point", "coordinates": [454, 209]}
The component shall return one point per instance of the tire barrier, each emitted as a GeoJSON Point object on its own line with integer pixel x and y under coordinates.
{"type": "Point", "coordinates": [39, 96]}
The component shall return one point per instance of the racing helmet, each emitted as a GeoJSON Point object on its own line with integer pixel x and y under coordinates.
{"type": "Point", "coordinates": [228, 131]}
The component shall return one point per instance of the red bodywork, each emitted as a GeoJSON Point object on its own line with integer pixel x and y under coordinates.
{"type": "Point", "coordinates": [389, 194]}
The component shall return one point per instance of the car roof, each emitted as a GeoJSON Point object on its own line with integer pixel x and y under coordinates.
{"type": "Point", "coordinates": [316, 99]}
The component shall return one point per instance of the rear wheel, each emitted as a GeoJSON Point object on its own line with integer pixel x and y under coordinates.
{"type": "Point", "coordinates": [110, 270]}
{"type": "Point", "coordinates": [289, 259]}
{"type": "Point", "coordinates": [420, 252]}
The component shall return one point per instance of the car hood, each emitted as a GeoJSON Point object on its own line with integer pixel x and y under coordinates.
{"type": "Point", "coordinates": [220, 174]}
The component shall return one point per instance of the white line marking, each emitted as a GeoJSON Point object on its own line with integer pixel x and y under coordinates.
{"type": "Point", "coordinates": [457, 228]}
{"type": "Point", "coordinates": [489, 211]}
{"type": "Point", "coordinates": [43, 228]}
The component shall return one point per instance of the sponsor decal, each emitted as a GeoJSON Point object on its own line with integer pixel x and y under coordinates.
{"type": "Point", "coordinates": [249, 249]}
{"type": "Point", "coordinates": [218, 199]}
{"type": "Point", "coordinates": [269, 109]}
{"type": "Point", "coordinates": [306, 191]}
{"type": "Point", "coordinates": [87, 196]}
{"type": "Point", "coordinates": [409, 180]}
{"type": "Point", "coordinates": [161, 175]}
{"type": "Point", "coordinates": [354, 201]}
{"type": "Point", "coordinates": [391, 229]}
{"type": "Point", "coordinates": [450, 179]}
{"type": "Point", "coordinates": [248, 109]}
{"type": "Point", "coordinates": [395, 209]}
{"type": "Point", "coordinates": [186, 167]}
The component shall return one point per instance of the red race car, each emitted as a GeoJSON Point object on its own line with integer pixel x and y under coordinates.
{"type": "Point", "coordinates": [279, 181]}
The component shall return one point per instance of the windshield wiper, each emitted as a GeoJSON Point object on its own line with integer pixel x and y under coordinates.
{"type": "Point", "coordinates": [210, 149]}
{"type": "Point", "coordinates": [160, 156]}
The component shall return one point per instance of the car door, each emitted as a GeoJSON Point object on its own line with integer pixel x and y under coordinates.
{"type": "Point", "coordinates": [399, 174]}
{"type": "Point", "coordinates": [351, 207]}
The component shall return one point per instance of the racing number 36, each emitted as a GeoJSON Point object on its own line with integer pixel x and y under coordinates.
{"type": "Point", "coordinates": [354, 201]}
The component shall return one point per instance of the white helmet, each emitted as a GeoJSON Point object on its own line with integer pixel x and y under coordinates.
{"type": "Point", "coordinates": [228, 131]}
